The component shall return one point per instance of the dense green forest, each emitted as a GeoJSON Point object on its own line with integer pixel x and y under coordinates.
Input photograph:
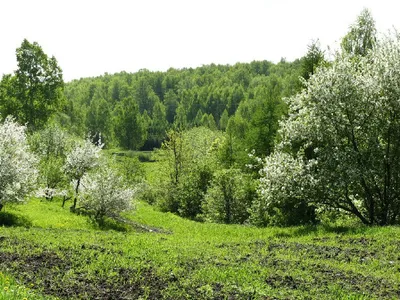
{"type": "Point", "coordinates": [136, 110]}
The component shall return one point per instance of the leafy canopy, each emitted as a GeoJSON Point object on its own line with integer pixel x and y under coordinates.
{"type": "Point", "coordinates": [35, 92]}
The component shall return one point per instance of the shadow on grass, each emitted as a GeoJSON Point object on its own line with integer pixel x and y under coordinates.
{"type": "Point", "coordinates": [8, 219]}
{"type": "Point", "coordinates": [328, 228]}
{"type": "Point", "coordinates": [322, 228]}
{"type": "Point", "coordinates": [110, 224]}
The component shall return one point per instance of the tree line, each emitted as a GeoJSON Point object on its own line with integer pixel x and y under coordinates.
{"type": "Point", "coordinates": [135, 110]}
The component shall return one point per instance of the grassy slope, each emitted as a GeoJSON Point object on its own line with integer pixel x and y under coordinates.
{"type": "Point", "coordinates": [64, 255]}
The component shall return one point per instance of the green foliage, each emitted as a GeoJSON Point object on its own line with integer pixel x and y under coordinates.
{"type": "Point", "coordinates": [157, 130]}
{"type": "Point", "coordinates": [362, 35]}
{"type": "Point", "coordinates": [190, 158]}
{"type": "Point", "coordinates": [190, 192]}
{"type": "Point", "coordinates": [130, 168]}
{"type": "Point", "coordinates": [98, 119]}
{"type": "Point", "coordinates": [223, 121]}
{"type": "Point", "coordinates": [145, 105]}
{"type": "Point", "coordinates": [230, 195]}
{"type": "Point", "coordinates": [171, 104]}
{"type": "Point", "coordinates": [34, 93]}
{"type": "Point", "coordinates": [129, 125]}
{"type": "Point", "coordinates": [9, 105]}
{"type": "Point", "coordinates": [313, 59]}
{"type": "Point", "coordinates": [266, 110]}
{"type": "Point", "coordinates": [51, 145]}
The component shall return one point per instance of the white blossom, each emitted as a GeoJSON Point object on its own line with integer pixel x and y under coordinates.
{"type": "Point", "coordinates": [104, 193]}
{"type": "Point", "coordinates": [17, 164]}
{"type": "Point", "coordinates": [82, 158]}
{"type": "Point", "coordinates": [343, 133]}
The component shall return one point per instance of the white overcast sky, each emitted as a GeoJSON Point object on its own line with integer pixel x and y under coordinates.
{"type": "Point", "coordinates": [89, 38]}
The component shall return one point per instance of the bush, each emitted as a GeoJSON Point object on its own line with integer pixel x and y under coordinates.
{"type": "Point", "coordinates": [103, 194]}
{"type": "Point", "coordinates": [80, 160]}
{"type": "Point", "coordinates": [281, 193]}
{"type": "Point", "coordinates": [229, 197]}
{"type": "Point", "coordinates": [190, 159]}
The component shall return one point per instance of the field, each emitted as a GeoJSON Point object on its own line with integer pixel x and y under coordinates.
{"type": "Point", "coordinates": [50, 252]}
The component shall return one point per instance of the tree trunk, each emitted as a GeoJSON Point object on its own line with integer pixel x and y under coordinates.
{"type": "Point", "coordinates": [73, 207]}
{"type": "Point", "coordinates": [1, 206]}
{"type": "Point", "coordinates": [65, 199]}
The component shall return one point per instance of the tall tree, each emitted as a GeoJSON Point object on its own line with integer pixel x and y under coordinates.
{"type": "Point", "coordinates": [223, 121]}
{"type": "Point", "coordinates": [313, 58]}
{"type": "Point", "coordinates": [129, 126]}
{"type": "Point", "coordinates": [171, 103]}
{"type": "Point", "coordinates": [8, 101]}
{"type": "Point", "coordinates": [343, 137]}
{"type": "Point", "coordinates": [38, 85]}
{"type": "Point", "coordinates": [158, 127]}
{"type": "Point", "coordinates": [362, 35]}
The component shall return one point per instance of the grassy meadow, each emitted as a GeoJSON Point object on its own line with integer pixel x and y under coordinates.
{"type": "Point", "coordinates": [46, 252]}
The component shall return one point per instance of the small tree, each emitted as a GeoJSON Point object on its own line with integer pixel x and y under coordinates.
{"type": "Point", "coordinates": [17, 164]}
{"type": "Point", "coordinates": [313, 59]}
{"type": "Point", "coordinates": [104, 194]}
{"type": "Point", "coordinates": [83, 158]}
{"type": "Point", "coordinates": [190, 159]}
{"type": "Point", "coordinates": [50, 144]}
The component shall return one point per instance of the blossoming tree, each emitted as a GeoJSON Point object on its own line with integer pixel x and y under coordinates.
{"type": "Point", "coordinates": [342, 139]}
{"type": "Point", "coordinates": [17, 164]}
{"type": "Point", "coordinates": [81, 159]}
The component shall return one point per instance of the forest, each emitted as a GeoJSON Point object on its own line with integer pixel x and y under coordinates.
{"type": "Point", "coordinates": [260, 147]}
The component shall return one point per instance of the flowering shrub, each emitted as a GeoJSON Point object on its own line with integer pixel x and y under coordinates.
{"type": "Point", "coordinates": [104, 194]}
{"type": "Point", "coordinates": [284, 185]}
{"type": "Point", "coordinates": [17, 164]}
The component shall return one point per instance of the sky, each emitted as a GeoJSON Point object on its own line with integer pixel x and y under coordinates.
{"type": "Point", "coordinates": [91, 37]}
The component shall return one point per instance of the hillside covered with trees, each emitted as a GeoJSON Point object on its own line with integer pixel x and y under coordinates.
{"type": "Point", "coordinates": [257, 143]}
{"type": "Point", "coordinates": [176, 184]}
{"type": "Point", "coordinates": [136, 110]}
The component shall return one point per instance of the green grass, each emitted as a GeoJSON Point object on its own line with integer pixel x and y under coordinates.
{"type": "Point", "coordinates": [11, 290]}
{"type": "Point", "coordinates": [40, 213]}
{"type": "Point", "coordinates": [67, 256]}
